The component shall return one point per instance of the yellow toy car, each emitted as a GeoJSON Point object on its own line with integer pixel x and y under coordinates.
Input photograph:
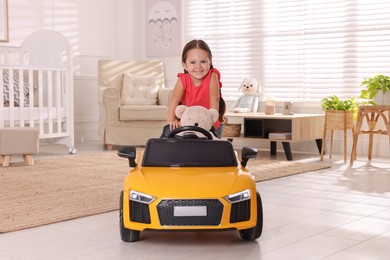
{"type": "Point", "coordinates": [189, 184]}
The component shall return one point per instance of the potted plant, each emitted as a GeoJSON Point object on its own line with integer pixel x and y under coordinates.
{"type": "Point", "coordinates": [377, 90]}
{"type": "Point", "coordinates": [334, 103]}
{"type": "Point", "coordinates": [339, 115]}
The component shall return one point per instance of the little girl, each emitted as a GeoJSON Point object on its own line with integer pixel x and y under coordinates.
{"type": "Point", "coordinates": [199, 85]}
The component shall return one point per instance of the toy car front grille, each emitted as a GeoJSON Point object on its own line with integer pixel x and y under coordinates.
{"type": "Point", "coordinates": [139, 212]}
{"type": "Point", "coordinates": [212, 217]}
{"type": "Point", "coordinates": [240, 211]}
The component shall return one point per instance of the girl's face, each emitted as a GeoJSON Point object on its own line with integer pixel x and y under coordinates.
{"type": "Point", "coordinates": [197, 64]}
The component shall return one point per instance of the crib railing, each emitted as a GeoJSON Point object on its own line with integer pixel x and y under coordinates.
{"type": "Point", "coordinates": [37, 97]}
{"type": "Point", "coordinates": [36, 86]}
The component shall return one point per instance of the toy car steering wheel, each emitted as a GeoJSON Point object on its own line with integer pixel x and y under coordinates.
{"type": "Point", "coordinates": [190, 128]}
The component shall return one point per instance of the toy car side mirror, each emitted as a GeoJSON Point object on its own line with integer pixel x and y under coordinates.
{"type": "Point", "coordinates": [246, 154]}
{"type": "Point", "coordinates": [129, 153]}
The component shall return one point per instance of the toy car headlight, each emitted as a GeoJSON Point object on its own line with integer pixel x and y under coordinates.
{"type": "Point", "coordinates": [239, 196]}
{"type": "Point", "coordinates": [141, 197]}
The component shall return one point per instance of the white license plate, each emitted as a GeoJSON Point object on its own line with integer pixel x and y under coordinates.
{"type": "Point", "coordinates": [189, 211]}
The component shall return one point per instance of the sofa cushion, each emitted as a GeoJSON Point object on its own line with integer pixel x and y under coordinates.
{"type": "Point", "coordinates": [144, 113]}
{"type": "Point", "coordinates": [139, 89]}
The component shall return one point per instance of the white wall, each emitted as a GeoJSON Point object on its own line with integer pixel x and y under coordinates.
{"type": "Point", "coordinates": [91, 27]}
{"type": "Point", "coordinates": [115, 29]}
{"type": "Point", "coordinates": [131, 38]}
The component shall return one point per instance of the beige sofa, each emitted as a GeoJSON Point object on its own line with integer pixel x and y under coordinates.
{"type": "Point", "coordinates": [133, 101]}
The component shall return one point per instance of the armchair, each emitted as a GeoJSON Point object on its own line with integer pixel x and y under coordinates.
{"type": "Point", "coordinates": [133, 101]}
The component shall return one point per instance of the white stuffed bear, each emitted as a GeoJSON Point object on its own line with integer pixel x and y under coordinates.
{"type": "Point", "coordinates": [197, 116]}
{"type": "Point", "coordinates": [248, 102]}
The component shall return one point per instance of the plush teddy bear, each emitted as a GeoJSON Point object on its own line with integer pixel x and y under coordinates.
{"type": "Point", "coordinates": [248, 102]}
{"type": "Point", "coordinates": [197, 116]}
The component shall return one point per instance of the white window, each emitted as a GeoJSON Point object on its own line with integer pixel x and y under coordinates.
{"type": "Point", "coordinates": [298, 50]}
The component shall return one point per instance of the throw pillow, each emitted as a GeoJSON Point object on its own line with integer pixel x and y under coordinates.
{"type": "Point", "coordinates": [140, 89]}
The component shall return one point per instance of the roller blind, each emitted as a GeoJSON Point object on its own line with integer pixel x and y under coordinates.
{"type": "Point", "coordinates": [298, 50]}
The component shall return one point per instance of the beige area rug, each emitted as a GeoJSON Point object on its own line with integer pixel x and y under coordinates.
{"type": "Point", "coordinates": [64, 188]}
{"type": "Point", "coordinates": [267, 169]}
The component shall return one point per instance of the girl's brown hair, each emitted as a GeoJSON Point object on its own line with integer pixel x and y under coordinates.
{"type": "Point", "coordinates": [222, 110]}
{"type": "Point", "coordinates": [196, 44]}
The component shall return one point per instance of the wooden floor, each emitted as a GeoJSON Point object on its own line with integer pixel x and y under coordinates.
{"type": "Point", "coordinates": [338, 213]}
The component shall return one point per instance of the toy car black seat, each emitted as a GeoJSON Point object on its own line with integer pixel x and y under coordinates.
{"type": "Point", "coordinates": [189, 153]}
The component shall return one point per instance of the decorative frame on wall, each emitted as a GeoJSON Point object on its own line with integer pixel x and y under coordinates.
{"type": "Point", "coordinates": [163, 27]}
{"type": "Point", "coordinates": [3, 21]}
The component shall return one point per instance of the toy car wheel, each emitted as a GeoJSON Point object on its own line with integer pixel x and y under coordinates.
{"type": "Point", "coordinates": [127, 235]}
{"type": "Point", "coordinates": [255, 232]}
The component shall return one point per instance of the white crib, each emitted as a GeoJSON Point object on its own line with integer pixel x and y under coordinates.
{"type": "Point", "coordinates": [40, 71]}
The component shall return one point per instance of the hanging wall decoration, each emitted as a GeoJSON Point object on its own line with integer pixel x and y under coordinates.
{"type": "Point", "coordinates": [163, 22]}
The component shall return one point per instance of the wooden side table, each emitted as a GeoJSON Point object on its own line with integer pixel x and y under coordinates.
{"type": "Point", "coordinates": [300, 127]}
{"type": "Point", "coordinates": [372, 115]}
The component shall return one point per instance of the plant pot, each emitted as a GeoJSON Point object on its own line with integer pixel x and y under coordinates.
{"type": "Point", "coordinates": [382, 99]}
{"type": "Point", "coordinates": [339, 119]}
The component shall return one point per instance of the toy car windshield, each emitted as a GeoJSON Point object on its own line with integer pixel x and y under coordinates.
{"type": "Point", "coordinates": [189, 153]}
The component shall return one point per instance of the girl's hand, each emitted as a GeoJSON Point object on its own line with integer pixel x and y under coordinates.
{"type": "Point", "coordinates": [174, 124]}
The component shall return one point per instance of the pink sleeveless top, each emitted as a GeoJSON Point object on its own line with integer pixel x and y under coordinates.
{"type": "Point", "coordinates": [200, 95]}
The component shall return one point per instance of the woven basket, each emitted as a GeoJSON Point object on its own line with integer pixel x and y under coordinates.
{"type": "Point", "coordinates": [339, 119]}
{"type": "Point", "coordinates": [231, 130]}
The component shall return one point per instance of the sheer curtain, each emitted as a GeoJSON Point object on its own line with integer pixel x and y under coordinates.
{"type": "Point", "coordinates": [298, 50]}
